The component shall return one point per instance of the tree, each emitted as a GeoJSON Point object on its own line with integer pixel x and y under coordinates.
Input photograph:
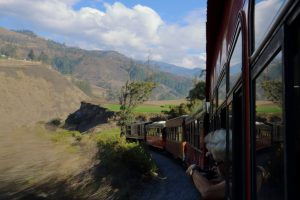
{"type": "Point", "coordinates": [132, 95]}
{"type": "Point", "coordinates": [273, 90]}
{"type": "Point", "coordinates": [31, 55]}
{"type": "Point", "coordinates": [64, 64]}
{"type": "Point", "coordinates": [197, 93]}
{"type": "Point", "coordinates": [176, 111]}
{"type": "Point", "coordinates": [43, 57]}
{"type": "Point", "coordinates": [8, 50]}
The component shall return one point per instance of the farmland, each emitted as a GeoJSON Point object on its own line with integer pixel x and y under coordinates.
{"type": "Point", "coordinates": [147, 107]}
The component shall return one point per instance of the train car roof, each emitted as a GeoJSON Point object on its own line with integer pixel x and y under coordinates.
{"type": "Point", "coordinates": [213, 26]}
{"type": "Point", "coordinates": [159, 124]}
{"type": "Point", "coordinates": [140, 123]}
{"type": "Point", "coordinates": [176, 121]}
{"type": "Point", "coordinates": [221, 20]}
{"type": "Point", "coordinates": [196, 116]}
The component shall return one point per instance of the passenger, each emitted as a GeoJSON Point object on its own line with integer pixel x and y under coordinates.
{"type": "Point", "coordinates": [214, 188]}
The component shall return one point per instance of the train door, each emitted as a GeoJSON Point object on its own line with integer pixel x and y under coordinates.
{"type": "Point", "coordinates": [292, 104]}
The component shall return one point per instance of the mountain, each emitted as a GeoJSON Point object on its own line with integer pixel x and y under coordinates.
{"type": "Point", "coordinates": [31, 92]}
{"type": "Point", "coordinates": [105, 71]}
{"type": "Point", "coordinates": [174, 69]}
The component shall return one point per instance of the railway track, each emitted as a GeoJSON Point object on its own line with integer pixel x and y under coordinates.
{"type": "Point", "coordinates": [171, 183]}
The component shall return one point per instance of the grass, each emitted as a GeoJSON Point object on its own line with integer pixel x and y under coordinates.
{"type": "Point", "coordinates": [140, 109]}
{"type": "Point", "coordinates": [65, 164]}
{"type": "Point", "coordinates": [149, 106]}
{"type": "Point", "coordinates": [124, 165]}
{"type": "Point", "coordinates": [268, 108]}
{"type": "Point", "coordinates": [36, 160]}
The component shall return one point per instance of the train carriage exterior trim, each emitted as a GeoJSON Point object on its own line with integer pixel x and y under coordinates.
{"type": "Point", "coordinates": [136, 131]}
{"type": "Point", "coordinates": [247, 55]}
{"type": "Point", "coordinates": [175, 141]}
{"type": "Point", "coordinates": [156, 134]}
{"type": "Point", "coordinates": [194, 134]}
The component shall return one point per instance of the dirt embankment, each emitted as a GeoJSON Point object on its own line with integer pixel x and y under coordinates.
{"type": "Point", "coordinates": [31, 92]}
{"type": "Point", "coordinates": [35, 164]}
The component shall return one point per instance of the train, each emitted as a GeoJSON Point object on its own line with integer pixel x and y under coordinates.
{"type": "Point", "coordinates": [252, 65]}
{"type": "Point", "coordinates": [183, 138]}
{"type": "Point", "coordinates": [253, 92]}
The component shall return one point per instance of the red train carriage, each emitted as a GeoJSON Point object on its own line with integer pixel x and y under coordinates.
{"type": "Point", "coordinates": [194, 135]}
{"type": "Point", "coordinates": [156, 134]}
{"type": "Point", "coordinates": [136, 131]}
{"type": "Point", "coordinates": [253, 77]}
{"type": "Point", "coordinates": [175, 140]}
{"type": "Point", "coordinates": [263, 135]}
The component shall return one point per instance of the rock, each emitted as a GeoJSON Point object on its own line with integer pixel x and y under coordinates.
{"type": "Point", "coordinates": [88, 116]}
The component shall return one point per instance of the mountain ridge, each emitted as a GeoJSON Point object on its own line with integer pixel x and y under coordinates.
{"type": "Point", "coordinates": [107, 70]}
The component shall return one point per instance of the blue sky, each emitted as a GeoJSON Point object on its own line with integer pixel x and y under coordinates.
{"type": "Point", "coordinates": [171, 31]}
{"type": "Point", "coordinates": [172, 11]}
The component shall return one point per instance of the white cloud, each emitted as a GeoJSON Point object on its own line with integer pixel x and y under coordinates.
{"type": "Point", "coordinates": [133, 31]}
{"type": "Point", "coordinates": [265, 11]}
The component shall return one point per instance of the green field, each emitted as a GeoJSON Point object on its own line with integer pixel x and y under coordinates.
{"type": "Point", "coordinates": [268, 108]}
{"type": "Point", "coordinates": [140, 109]}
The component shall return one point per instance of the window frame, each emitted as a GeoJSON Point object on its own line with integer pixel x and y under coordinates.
{"type": "Point", "coordinates": [275, 25]}
{"type": "Point", "coordinates": [274, 45]}
{"type": "Point", "coordinates": [238, 32]}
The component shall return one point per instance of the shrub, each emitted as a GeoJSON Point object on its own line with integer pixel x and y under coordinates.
{"type": "Point", "coordinates": [124, 165]}
{"type": "Point", "coordinates": [55, 122]}
{"type": "Point", "coordinates": [120, 157]}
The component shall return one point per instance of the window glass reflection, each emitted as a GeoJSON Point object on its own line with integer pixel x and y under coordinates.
{"type": "Point", "coordinates": [229, 150]}
{"type": "Point", "coordinates": [264, 14]}
{"type": "Point", "coordinates": [269, 131]}
{"type": "Point", "coordinates": [224, 53]}
{"type": "Point", "coordinates": [235, 67]}
{"type": "Point", "coordinates": [218, 67]}
{"type": "Point", "coordinates": [222, 91]}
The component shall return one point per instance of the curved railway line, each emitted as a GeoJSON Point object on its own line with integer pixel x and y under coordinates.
{"type": "Point", "coordinates": [171, 183]}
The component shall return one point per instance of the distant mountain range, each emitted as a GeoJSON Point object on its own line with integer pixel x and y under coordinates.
{"type": "Point", "coordinates": [104, 72]}
{"type": "Point", "coordinates": [176, 70]}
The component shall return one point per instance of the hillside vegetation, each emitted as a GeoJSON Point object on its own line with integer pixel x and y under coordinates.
{"type": "Point", "coordinates": [104, 70]}
{"type": "Point", "coordinates": [37, 163]}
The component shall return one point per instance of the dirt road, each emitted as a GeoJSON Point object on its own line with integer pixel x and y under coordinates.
{"type": "Point", "coordinates": [171, 184]}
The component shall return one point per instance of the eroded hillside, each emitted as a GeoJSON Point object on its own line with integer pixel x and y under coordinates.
{"type": "Point", "coordinates": [31, 92]}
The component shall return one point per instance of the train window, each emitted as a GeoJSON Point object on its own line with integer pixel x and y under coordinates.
{"type": "Point", "coordinates": [197, 134]}
{"type": "Point", "coordinates": [173, 133]}
{"type": "Point", "coordinates": [212, 85]}
{"type": "Point", "coordinates": [211, 108]}
{"type": "Point", "coordinates": [194, 134]}
{"type": "Point", "coordinates": [235, 65]}
{"type": "Point", "coordinates": [218, 66]}
{"type": "Point", "coordinates": [222, 91]}
{"type": "Point", "coordinates": [265, 13]}
{"type": "Point", "coordinates": [215, 104]}
{"type": "Point", "coordinates": [224, 53]}
{"type": "Point", "coordinates": [179, 135]}
{"type": "Point", "coordinates": [228, 152]}
{"type": "Point", "coordinates": [270, 129]}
